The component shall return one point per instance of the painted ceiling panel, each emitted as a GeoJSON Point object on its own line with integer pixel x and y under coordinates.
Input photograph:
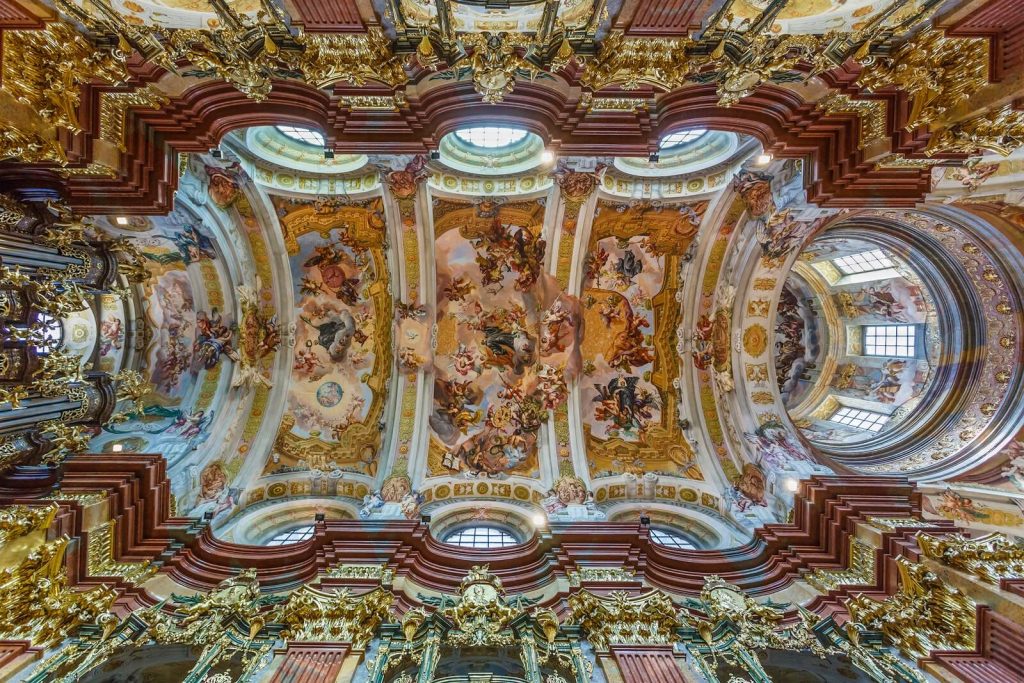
{"type": "Point", "coordinates": [630, 406]}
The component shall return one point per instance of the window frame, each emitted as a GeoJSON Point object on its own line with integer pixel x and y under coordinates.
{"type": "Point", "coordinates": [835, 418]}
{"type": "Point", "coordinates": [684, 137]}
{"type": "Point", "coordinates": [875, 257]}
{"type": "Point", "coordinates": [517, 136]}
{"type": "Point", "coordinates": [680, 540]}
{"type": "Point", "coordinates": [291, 536]}
{"type": "Point", "coordinates": [295, 134]}
{"type": "Point", "coordinates": [501, 532]}
{"type": "Point", "coordinates": [916, 347]}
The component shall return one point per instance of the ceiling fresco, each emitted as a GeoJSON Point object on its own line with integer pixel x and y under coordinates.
{"type": "Point", "coordinates": [507, 338]}
{"type": "Point", "coordinates": [629, 404]}
{"type": "Point", "coordinates": [187, 335]}
{"type": "Point", "coordinates": [341, 348]}
{"type": "Point", "coordinates": [421, 342]}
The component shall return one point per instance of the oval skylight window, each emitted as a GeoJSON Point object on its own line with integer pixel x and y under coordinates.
{"type": "Point", "coordinates": [491, 137]}
{"type": "Point", "coordinates": [303, 135]}
{"type": "Point", "coordinates": [681, 137]}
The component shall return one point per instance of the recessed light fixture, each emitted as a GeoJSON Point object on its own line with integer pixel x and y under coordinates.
{"type": "Point", "coordinates": [547, 156]}
{"type": "Point", "coordinates": [117, 448]}
{"type": "Point", "coordinates": [122, 220]}
{"type": "Point", "coordinates": [792, 484]}
{"type": "Point", "coordinates": [763, 159]}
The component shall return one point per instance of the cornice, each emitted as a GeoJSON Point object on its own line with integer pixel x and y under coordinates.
{"type": "Point", "coordinates": [137, 494]}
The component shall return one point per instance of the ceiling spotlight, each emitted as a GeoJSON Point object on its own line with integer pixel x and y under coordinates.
{"type": "Point", "coordinates": [216, 153]}
{"type": "Point", "coordinates": [435, 154]}
{"type": "Point", "coordinates": [117, 448]}
{"type": "Point", "coordinates": [792, 484]}
{"type": "Point", "coordinates": [328, 153]}
{"type": "Point", "coordinates": [763, 159]}
{"type": "Point", "coordinates": [547, 156]}
{"type": "Point", "coordinates": [539, 520]}
{"type": "Point", "coordinates": [122, 220]}
{"type": "Point", "coordinates": [653, 158]}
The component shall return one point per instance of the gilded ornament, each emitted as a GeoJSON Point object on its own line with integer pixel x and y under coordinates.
{"type": "Point", "coordinates": [45, 69]}
{"type": "Point", "coordinates": [991, 557]}
{"type": "Point", "coordinates": [38, 604]}
{"type": "Point", "coordinates": [331, 58]}
{"type": "Point", "coordinates": [29, 147]}
{"type": "Point", "coordinates": [632, 62]}
{"type": "Point", "coordinates": [619, 619]}
{"type": "Point", "coordinates": [872, 114]}
{"type": "Point", "coordinates": [114, 108]}
{"type": "Point", "coordinates": [937, 72]}
{"type": "Point", "coordinates": [860, 569]}
{"type": "Point", "coordinates": [313, 615]}
{"type": "Point", "coordinates": [923, 616]}
{"type": "Point", "coordinates": [11, 210]}
{"type": "Point", "coordinates": [101, 562]}
{"type": "Point", "coordinates": [601, 575]}
{"type": "Point", "coordinates": [1000, 131]}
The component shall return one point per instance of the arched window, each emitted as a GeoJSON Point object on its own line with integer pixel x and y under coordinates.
{"type": "Point", "coordinates": [491, 137]}
{"type": "Point", "coordinates": [303, 135]}
{"type": "Point", "coordinates": [296, 535]}
{"type": "Point", "coordinates": [481, 537]}
{"type": "Point", "coordinates": [671, 539]}
{"type": "Point", "coordinates": [681, 137]}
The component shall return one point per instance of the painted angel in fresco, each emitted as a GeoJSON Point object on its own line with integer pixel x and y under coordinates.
{"type": "Point", "coordinates": [213, 339]}
{"type": "Point", "coordinates": [556, 329]}
{"type": "Point", "coordinates": [626, 268]}
{"type": "Point", "coordinates": [749, 489]}
{"type": "Point", "coordinates": [334, 265]}
{"type": "Point", "coordinates": [886, 388]}
{"type": "Point", "coordinates": [458, 288]}
{"type": "Point", "coordinates": [336, 334]}
{"type": "Point", "coordinates": [223, 184]}
{"type": "Point", "coordinates": [111, 335]}
{"type": "Point", "coordinates": [627, 349]}
{"type": "Point", "coordinates": [775, 447]}
{"type": "Point", "coordinates": [510, 348]}
{"type": "Point", "coordinates": [192, 245]}
{"type": "Point", "coordinates": [779, 235]}
{"type": "Point", "coordinates": [755, 188]}
{"type": "Point", "coordinates": [551, 387]}
{"type": "Point", "coordinates": [404, 182]}
{"type": "Point", "coordinates": [191, 424]}
{"type": "Point", "coordinates": [454, 407]}
{"type": "Point", "coordinates": [499, 251]}
{"type": "Point", "coordinates": [959, 508]}
{"type": "Point", "coordinates": [466, 360]}
{"type": "Point", "coordinates": [625, 404]}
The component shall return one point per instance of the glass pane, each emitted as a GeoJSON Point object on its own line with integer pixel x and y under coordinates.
{"type": "Point", "coordinates": [481, 537]}
{"type": "Point", "coordinates": [898, 341]}
{"type": "Point", "coordinates": [671, 539]}
{"type": "Point", "coordinates": [860, 419]}
{"type": "Point", "coordinates": [304, 135]}
{"type": "Point", "coordinates": [296, 535]}
{"type": "Point", "coordinates": [491, 137]}
{"type": "Point", "coordinates": [681, 137]}
{"type": "Point", "coordinates": [863, 262]}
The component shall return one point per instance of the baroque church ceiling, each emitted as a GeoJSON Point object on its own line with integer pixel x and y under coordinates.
{"type": "Point", "coordinates": [541, 260]}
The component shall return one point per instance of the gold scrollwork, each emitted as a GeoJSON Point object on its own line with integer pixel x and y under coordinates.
{"type": "Point", "coordinates": [991, 557]}
{"type": "Point", "coordinates": [619, 619]}
{"type": "Point", "coordinates": [924, 615]}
